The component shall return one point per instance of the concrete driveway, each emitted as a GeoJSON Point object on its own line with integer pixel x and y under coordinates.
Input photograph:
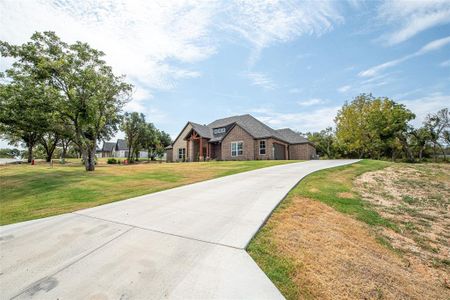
{"type": "Point", "coordinates": [183, 243]}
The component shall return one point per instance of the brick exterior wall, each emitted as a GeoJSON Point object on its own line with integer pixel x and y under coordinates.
{"type": "Point", "coordinates": [222, 151]}
{"type": "Point", "coordinates": [237, 134]}
{"type": "Point", "coordinates": [269, 149]}
{"type": "Point", "coordinates": [301, 151]}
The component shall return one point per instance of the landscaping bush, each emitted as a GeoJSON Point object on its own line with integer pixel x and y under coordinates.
{"type": "Point", "coordinates": [111, 161]}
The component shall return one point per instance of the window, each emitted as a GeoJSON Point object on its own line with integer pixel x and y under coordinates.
{"type": "Point", "coordinates": [219, 130]}
{"type": "Point", "coordinates": [237, 148]}
{"type": "Point", "coordinates": [182, 153]}
{"type": "Point", "coordinates": [262, 147]}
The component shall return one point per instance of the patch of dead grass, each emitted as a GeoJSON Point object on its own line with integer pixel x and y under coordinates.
{"type": "Point", "coordinates": [337, 257]}
{"type": "Point", "coordinates": [346, 195]}
{"type": "Point", "coordinates": [416, 198]}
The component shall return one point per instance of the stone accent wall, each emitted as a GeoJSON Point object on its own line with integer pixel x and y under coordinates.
{"type": "Point", "coordinates": [302, 151]}
{"type": "Point", "coordinates": [181, 143]}
{"type": "Point", "coordinates": [237, 134]}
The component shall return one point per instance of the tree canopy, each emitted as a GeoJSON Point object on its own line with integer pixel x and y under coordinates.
{"type": "Point", "coordinates": [373, 127]}
{"type": "Point", "coordinates": [90, 96]}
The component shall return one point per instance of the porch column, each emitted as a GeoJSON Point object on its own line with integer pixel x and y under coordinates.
{"type": "Point", "coordinates": [201, 149]}
{"type": "Point", "coordinates": [187, 150]}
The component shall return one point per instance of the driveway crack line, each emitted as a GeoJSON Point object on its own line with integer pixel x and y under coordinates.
{"type": "Point", "coordinates": [162, 232]}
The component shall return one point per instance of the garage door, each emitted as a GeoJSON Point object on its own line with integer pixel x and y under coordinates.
{"type": "Point", "coordinates": [278, 151]}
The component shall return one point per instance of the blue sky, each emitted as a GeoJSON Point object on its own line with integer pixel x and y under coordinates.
{"type": "Point", "coordinates": [288, 63]}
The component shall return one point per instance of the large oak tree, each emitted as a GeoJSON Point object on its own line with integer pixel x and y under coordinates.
{"type": "Point", "coordinates": [91, 95]}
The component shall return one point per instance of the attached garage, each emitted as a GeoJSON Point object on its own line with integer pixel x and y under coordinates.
{"type": "Point", "coordinates": [279, 151]}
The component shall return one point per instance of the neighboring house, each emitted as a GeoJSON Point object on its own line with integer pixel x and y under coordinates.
{"type": "Point", "coordinates": [118, 149]}
{"type": "Point", "coordinates": [238, 138]}
{"type": "Point", "coordinates": [107, 149]}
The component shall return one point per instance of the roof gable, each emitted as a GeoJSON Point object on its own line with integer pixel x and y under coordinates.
{"type": "Point", "coordinates": [202, 130]}
{"type": "Point", "coordinates": [108, 146]}
{"type": "Point", "coordinates": [121, 145]}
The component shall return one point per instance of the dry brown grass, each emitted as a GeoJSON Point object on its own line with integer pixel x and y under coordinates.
{"type": "Point", "coordinates": [338, 257]}
{"type": "Point", "coordinates": [416, 198]}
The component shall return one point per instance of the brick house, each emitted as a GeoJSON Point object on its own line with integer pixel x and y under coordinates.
{"type": "Point", "coordinates": [238, 138]}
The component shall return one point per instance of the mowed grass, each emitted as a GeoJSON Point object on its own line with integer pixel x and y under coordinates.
{"type": "Point", "coordinates": [30, 192]}
{"type": "Point", "coordinates": [332, 187]}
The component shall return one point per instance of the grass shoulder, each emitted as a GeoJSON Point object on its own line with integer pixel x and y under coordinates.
{"type": "Point", "coordinates": [30, 192]}
{"type": "Point", "coordinates": [330, 239]}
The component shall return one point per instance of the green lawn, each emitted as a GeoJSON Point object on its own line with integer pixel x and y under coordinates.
{"type": "Point", "coordinates": [30, 192]}
{"type": "Point", "coordinates": [332, 187]}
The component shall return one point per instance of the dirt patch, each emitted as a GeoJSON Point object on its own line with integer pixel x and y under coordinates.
{"type": "Point", "coordinates": [338, 257]}
{"type": "Point", "coordinates": [416, 199]}
{"type": "Point", "coordinates": [346, 195]}
{"type": "Point", "coordinates": [314, 190]}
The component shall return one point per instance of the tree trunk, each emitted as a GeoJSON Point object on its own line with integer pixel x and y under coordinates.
{"type": "Point", "coordinates": [408, 152]}
{"type": "Point", "coordinates": [443, 152]}
{"type": "Point", "coordinates": [89, 161]}
{"type": "Point", "coordinates": [434, 152]}
{"type": "Point", "coordinates": [130, 155]}
{"type": "Point", "coordinates": [30, 153]}
{"type": "Point", "coordinates": [63, 153]}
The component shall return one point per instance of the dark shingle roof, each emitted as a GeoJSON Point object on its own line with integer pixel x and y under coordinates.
{"type": "Point", "coordinates": [202, 130]}
{"type": "Point", "coordinates": [252, 125]}
{"type": "Point", "coordinates": [291, 136]}
{"type": "Point", "coordinates": [108, 146]}
{"type": "Point", "coordinates": [121, 145]}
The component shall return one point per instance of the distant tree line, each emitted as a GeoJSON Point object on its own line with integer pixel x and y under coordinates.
{"type": "Point", "coordinates": [61, 96]}
{"type": "Point", "coordinates": [378, 128]}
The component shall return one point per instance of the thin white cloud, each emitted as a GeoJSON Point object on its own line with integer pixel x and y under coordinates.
{"type": "Point", "coordinates": [425, 105]}
{"type": "Point", "coordinates": [412, 17]}
{"type": "Point", "coordinates": [344, 88]}
{"type": "Point", "coordinates": [295, 91]}
{"type": "Point", "coordinates": [311, 120]}
{"type": "Point", "coordinates": [434, 45]}
{"type": "Point", "coordinates": [445, 63]}
{"type": "Point", "coordinates": [311, 102]}
{"type": "Point", "coordinates": [264, 23]}
{"type": "Point", "coordinates": [146, 40]}
{"type": "Point", "coordinates": [261, 80]}
{"type": "Point", "coordinates": [431, 46]}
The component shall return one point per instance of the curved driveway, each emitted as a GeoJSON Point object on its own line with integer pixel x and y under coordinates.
{"type": "Point", "coordinates": [187, 242]}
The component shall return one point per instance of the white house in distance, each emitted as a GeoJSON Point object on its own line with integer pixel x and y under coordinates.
{"type": "Point", "coordinates": [118, 149]}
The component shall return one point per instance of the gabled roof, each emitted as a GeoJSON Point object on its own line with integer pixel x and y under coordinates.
{"type": "Point", "coordinates": [121, 145]}
{"type": "Point", "coordinates": [108, 146]}
{"type": "Point", "coordinates": [202, 130]}
{"type": "Point", "coordinates": [253, 126]}
{"type": "Point", "coordinates": [292, 137]}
